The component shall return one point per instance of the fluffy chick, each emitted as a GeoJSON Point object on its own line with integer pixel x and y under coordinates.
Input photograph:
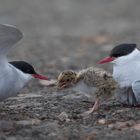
{"type": "Point", "coordinates": [90, 80]}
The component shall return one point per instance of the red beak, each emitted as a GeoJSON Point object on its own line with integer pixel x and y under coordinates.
{"type": "Point", "coordinates": [39, 76]}
{"type": "Point", "coordinates": [106, 60]}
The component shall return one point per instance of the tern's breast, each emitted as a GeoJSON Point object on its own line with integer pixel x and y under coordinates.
{"type": "Point", "coordinates": [11, 81]}
{"type": "Point", "coordinates": [126, 74]}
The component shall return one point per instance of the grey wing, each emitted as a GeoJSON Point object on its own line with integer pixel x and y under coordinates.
{"type": "Point", "coordinates": [126, 95]}
{"type": "Point", "coordinates": [136, 90]}
{"type": "Point", "coordinates": [9, 35]}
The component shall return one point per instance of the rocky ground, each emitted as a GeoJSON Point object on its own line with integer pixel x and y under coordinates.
{"type": "Point", "coordinates": [67, 34]}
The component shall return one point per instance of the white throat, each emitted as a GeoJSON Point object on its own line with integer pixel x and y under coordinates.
{"type": "Point", "coordinates": [127, 68]}
{"type": "Point", "coordinates": [22, 78]}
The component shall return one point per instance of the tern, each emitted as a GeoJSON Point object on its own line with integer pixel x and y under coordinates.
{"type": "Point", "coordinates": [126, 71]}
{"type": "Point", "coordinates": [16, 74]}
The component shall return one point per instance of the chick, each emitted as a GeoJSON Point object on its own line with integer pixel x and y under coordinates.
{"type": "Point", "coordinates": [91, 80]}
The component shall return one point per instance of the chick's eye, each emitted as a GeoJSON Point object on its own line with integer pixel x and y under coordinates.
{"type": "Point", "coordinates": [68, 80]}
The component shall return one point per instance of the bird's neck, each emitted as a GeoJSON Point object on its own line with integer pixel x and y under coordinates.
{"type": "Point", "coordinates": [22, 78]}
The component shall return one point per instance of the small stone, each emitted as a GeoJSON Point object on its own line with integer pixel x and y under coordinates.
{"type": "Point", "coordinates": [11, 138]}
{"type": "Point", "coordinates": [120, 111]}
{"type": "Point", "coordinates": [104, 121]}
{"type": "Point", "coordinates": [28, 122]}
{"type": "Point", "coordinates": [91, 136]}
{"type": "Point", "coordinates": [6, 125]}
{"type": "Point", "coordinates": [63, 117]}
{"type": "Point", "coordinates": [136, 127]}
{"type": "Point", "coordinates": [122, 125]}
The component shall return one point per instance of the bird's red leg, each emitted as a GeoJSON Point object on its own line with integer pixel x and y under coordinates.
{"type": "Point", "coordinates": [94, 108]}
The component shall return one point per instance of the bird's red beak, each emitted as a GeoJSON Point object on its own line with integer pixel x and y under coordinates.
{"type": "Point", "coordinates": [39, 76]}
{"type": "Point", "coordinates": [106, 60]}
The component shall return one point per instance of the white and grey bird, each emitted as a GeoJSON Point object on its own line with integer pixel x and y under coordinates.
{"type": "Point", "coordinates": [126, 71]}
{"type": "Point", "coordinates": [16, 74]}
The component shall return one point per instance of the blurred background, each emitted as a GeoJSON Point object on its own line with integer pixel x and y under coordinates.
{"type": "Point", "coordinates": [70, 34]}
{"type": "Point", "coordinates": [60, 35]}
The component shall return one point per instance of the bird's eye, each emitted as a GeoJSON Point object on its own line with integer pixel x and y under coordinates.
{"type": "Point", "coordinates": [28, 70]}
{"type": "Point", "coordinates": [68, 80]}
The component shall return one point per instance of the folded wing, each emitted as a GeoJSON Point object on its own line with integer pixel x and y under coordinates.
{"type": "Point", "coordinates": [136, 90]}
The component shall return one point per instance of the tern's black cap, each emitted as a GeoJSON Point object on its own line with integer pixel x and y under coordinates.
{"type": "Point", "coordinates": [122, 50]}
{"type": "Point", "coordinates": [23, 66]}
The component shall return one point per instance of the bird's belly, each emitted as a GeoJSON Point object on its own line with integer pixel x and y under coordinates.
{"type": "Point", "coordinates": [86, 90]}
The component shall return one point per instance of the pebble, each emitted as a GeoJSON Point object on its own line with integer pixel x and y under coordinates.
{"type": "Point", "coordinates": [28, 122]}
{"type": "Point", "coordinates": [63, 117]}
{"type": "Point", "coordinates": [121, 125]}
{"type": "Point", "coordinates": [104, 121]}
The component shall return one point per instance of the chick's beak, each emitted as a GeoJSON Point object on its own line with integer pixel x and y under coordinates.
{"type": "Point", "coordinates": [61, 86]}
{"type": "Point", "coordinates": [39, 76]}
{"type": "Point", "coordinates": [106, 60]}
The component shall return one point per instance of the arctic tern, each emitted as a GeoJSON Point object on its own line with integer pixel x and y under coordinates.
{"type": "Point", "coordinates": [126, 71]}
{"type": "Point", "coordinates": [16, 74]}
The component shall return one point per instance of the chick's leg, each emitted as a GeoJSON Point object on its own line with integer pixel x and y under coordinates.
{"type": "Point", "coordinates": [94, 108]}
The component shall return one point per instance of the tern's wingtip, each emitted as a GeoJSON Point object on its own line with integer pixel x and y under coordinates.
{"type": "Point", "coordinates": [11, 29]}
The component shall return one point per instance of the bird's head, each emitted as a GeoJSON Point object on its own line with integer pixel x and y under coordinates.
{"type": "Point", "coordinates": [27, 68]}
{"type": "Point", "coordinates": [122, 54]}
{"type": "Point", "coordinates": [66, 79]}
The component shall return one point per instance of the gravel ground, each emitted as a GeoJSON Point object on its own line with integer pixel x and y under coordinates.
{"type": "Point", "coordinates": [67, 34]}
